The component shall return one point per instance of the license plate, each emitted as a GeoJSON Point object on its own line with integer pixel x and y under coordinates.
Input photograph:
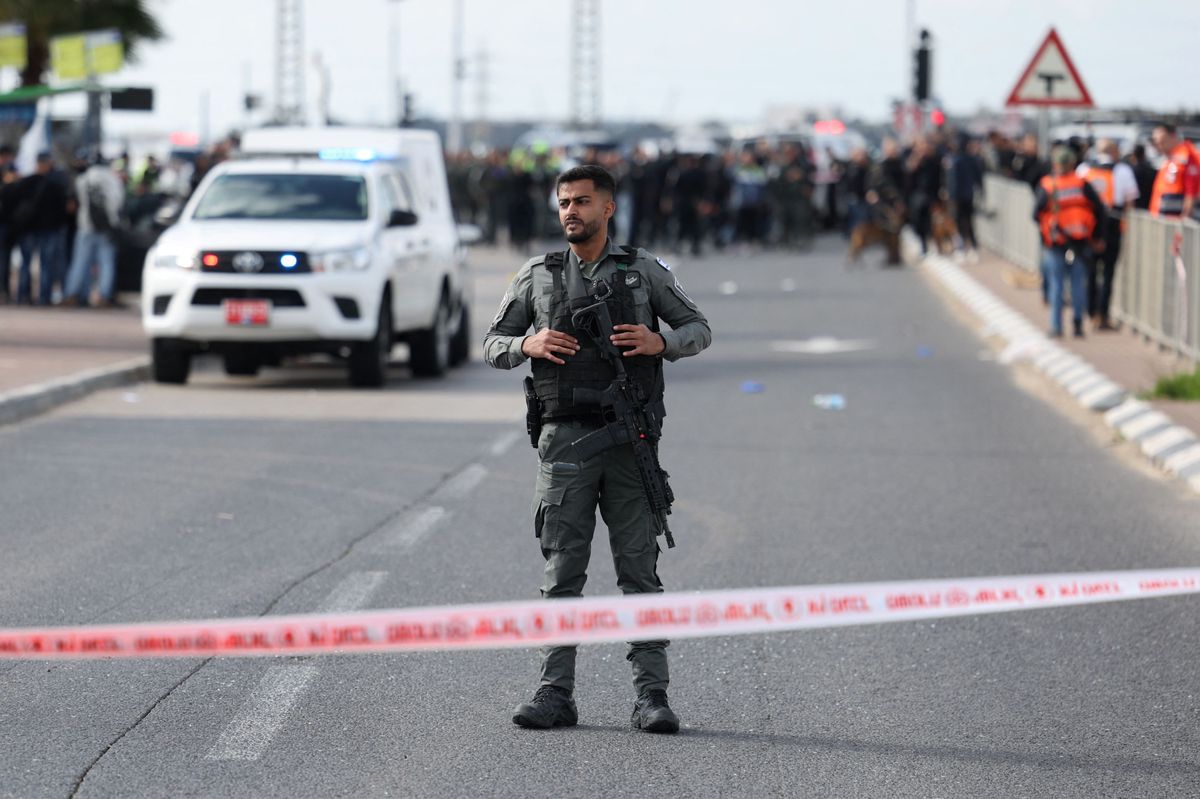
{"type": "Point", "coordinates": [247, 312]}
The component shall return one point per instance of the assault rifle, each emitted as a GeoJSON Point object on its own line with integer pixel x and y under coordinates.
{"type": "Point", "coordinates": [628, 417]}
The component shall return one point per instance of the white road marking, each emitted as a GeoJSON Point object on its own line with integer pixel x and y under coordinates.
{"type": "Point", "coordinates": [251, 732]}
{"type": "Point", "coordinates": [461, 484]}
{"type": "Point", "coordinates": [352, 593]}
{"type": "Point", "coordinates": [502, 444]}
{"type": "Point", "coordinates": [415, 527]}
{"type": "Point", "coordinates": [823, 345]}
{"type": "Point", "coordinates": [253, 729]}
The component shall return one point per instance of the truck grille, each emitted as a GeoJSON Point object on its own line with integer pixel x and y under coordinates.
{"type": "Point", "coordinates": [273, 262]}
{"type": "Point", "coordinates": [280, 298]}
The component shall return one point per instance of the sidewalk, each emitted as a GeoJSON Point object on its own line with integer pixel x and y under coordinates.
{"type": "Point", "coordinates": [1122, 355]}
{"type": "Point", "coordinates": [53, 355]}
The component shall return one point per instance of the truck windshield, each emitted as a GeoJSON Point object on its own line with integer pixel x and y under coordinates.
{"type": "Point", "coordinates": [331, 197]}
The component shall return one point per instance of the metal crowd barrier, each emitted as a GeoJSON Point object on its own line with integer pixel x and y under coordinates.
{"type": "Point", "coordinates": [1157, 284]}
{"type": "Point", "coordinates": [1004, 223]}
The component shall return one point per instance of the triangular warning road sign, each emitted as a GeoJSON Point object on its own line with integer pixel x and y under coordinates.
{"type": "Point", "coordinates": [1051, 79]}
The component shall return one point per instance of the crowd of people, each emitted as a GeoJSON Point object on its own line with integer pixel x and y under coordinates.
{"type": "Point", "coordinates": [69, 220]}
{"type": "Point", "coordinates": [1081, 200]}
{"type": "Point", "coordinates": [762, 196]}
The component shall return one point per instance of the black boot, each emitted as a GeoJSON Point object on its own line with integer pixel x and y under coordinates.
{"type": "Point", "coordinates": [550, 707]}
{"type": "Point", "coordinates": [652, 713]}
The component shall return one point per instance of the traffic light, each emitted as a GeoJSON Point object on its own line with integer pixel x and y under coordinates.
{"type": "Point", "coordinates": [132, 99]}
{"type": "Point", "coordinates": [921, 69]}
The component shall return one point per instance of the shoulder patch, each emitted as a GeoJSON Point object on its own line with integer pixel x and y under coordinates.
{"type": "Point", "coordinates": [663, 264]}
{"type": "Point", "coordinates": [508, 300]}
{"type": "Point", "coordinates": [679, 292]}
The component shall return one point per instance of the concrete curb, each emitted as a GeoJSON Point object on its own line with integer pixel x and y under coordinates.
{"type": "Point", "coordinates": [1169, 446]}
{"type": "Point", "coordinates": [23, 403]}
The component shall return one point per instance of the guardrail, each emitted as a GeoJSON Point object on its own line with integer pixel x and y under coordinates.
{"type": "Point", "coordinates": [1157, 283]}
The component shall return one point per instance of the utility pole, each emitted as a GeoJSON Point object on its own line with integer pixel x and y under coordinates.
{"type": "Point", "coordinates": [454, 137]}
{"type": "Point", "coordinates": [205, 132]}
{"type": "Point", "coordinates": [585, 63]}
{"type": "Point", "coordinates": [395, 90]}
{"type": "Point", "coordinates": [910, 32]}
{"type": "Point", "coordinates": [290, 98]}
{"type": "Point", "coordinates": [323, 89]}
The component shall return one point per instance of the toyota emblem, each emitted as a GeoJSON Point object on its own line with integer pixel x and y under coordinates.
{"type": "Point", "coordinates": [248, 262]}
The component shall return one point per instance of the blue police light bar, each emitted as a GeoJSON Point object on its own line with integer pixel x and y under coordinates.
{"type": "Point", "coordinates": [349, 154]}
{"type": "Point", "coordinates": [288, 260]}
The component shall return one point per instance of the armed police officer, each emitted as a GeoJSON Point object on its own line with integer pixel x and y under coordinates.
{"type": "Point", "coordinates": [596, 405]}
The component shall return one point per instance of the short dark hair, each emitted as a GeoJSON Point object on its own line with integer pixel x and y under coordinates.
{"type": "Point", "coordinates": [1168, 128]}
{"type": "Point", "coordinates": [600, 177]}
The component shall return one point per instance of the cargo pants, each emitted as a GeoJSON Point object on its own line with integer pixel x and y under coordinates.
{"type": "Point", "coordinates": [564, 511]}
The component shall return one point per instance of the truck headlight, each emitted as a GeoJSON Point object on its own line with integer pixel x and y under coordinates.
{"type": "Point", "coordinates": [175, 260]}
{"type": "Point", "coordinates": [352, 260]}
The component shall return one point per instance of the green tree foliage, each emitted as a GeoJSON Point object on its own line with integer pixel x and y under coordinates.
{"type": "Point", "coordinates": [45, 19]}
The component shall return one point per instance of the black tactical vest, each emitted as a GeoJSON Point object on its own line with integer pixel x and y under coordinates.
{"type": "Point", "coordinates": [587, 368]}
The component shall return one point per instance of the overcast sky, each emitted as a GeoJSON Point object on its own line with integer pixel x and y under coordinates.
{"type": "Point", "coordinates": [669, 60]}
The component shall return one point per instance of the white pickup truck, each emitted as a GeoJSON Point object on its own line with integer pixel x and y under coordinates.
{"type": "Point", "coordinates": [335, 240]}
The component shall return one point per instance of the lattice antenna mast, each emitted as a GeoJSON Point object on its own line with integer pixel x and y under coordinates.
{"type": "Point", "coordinates": [290, 64]}
{"type": "Point", "coordinates": [454, 135]}
{"type": "Point", "coordinates": [482, 90]}
{"type": "Point", "coordinates": [585, 63]}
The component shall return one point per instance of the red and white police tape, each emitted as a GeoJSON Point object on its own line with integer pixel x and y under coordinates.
{"type": "Point", "coordinates": [599, 619]}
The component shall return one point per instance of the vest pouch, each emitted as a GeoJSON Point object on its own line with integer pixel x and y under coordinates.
{"type": "Point", "coordinates": [641, 307]}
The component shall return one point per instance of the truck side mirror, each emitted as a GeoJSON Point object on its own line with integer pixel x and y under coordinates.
{"type": "Point", "coordinates": [401, 218]}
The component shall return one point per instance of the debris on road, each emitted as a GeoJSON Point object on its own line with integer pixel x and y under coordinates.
{"type": "Point", "coordinates": [829, 402]}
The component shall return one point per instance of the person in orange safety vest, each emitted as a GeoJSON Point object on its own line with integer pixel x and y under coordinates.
{"type": "Point", "coordinates": [1178, 182]}
{"type": "Point", "coordinates": [1067, 210]}
{"type": "Point", "coordinates": [1116, 183]}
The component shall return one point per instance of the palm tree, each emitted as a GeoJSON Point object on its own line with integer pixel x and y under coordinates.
{"type": "Point", "coordinates": [48, 18]}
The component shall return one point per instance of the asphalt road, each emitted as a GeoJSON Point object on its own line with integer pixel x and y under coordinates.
{"type": "Point", "coordinates": [291, 493]}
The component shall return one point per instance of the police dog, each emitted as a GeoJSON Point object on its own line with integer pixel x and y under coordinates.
{"type": "Point", "coordinates": [882, 226]}
{"type": "Point", "coordinates": [942, 228]}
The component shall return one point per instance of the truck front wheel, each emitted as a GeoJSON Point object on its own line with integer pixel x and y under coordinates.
{"type": "Point", "coordinates": [170, 363]}
{"type": "Point", "coordinates": [369, 359]}
{"type": "Point", "coordinates": [431, 346]}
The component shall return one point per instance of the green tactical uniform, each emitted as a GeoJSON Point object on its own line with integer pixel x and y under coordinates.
{"type": "Point", "coordinates": [568, 491]}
